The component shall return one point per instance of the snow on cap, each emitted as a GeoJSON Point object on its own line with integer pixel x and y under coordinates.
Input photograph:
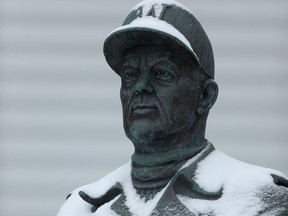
{"type": "Point", "coordinates": [163, 23]}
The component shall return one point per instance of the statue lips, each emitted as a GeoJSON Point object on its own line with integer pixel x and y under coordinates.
{"type": "Point", "coordinates": [142, 109]}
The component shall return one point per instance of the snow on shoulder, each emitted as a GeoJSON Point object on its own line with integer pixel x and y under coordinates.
{"type": "Point", "coordinates": [76, 206]}
{"type": "Point", "coordinates": [240, 182]}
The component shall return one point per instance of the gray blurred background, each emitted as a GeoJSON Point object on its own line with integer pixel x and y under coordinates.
{"type": "Point", "coordinates": [60, 112]}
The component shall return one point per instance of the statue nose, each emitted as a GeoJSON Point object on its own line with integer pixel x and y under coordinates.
{"type": "Point", "coordinates": [143, 85]}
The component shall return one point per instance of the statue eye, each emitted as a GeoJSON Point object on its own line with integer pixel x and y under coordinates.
{"type": "Point", "coordinates": [163, 74]}
{"type": "Point", "coordinates": [129, 76]}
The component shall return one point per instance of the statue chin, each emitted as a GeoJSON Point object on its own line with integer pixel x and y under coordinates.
{"type": "Point", "coordinates": [145, 134]}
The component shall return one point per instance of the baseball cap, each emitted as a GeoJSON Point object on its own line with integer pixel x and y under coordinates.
{"type": "Point", "coordinates": [163, 23]}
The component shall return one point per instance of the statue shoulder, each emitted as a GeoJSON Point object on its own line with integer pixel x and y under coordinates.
{"type": "Point", "coordinates": [81, 198]}
{"type": "Point", "coordinates": [219, 169]}
{"type": "Point", "coordinates": [242, 183]}
{"type": "Point", "coordinates": [275, 197]}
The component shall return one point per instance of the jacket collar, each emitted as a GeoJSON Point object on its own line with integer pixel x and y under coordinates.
{"type": "Point", "coordinates": [182, 184]}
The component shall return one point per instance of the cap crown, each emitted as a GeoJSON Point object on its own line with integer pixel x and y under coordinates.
{"type": "Point", "coordinates": [191, 34]}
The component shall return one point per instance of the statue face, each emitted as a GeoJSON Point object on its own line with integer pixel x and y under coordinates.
{"type": "Point", "coordinates": [159, 96]}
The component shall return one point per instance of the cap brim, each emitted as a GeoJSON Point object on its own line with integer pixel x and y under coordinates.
{"type": "Point", "coordinates": [123, 39]}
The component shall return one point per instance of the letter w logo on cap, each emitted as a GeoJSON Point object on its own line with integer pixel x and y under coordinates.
{"type": "Point", "coordinates": [156, 10]}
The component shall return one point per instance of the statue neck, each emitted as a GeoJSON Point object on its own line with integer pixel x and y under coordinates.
{"type": "Point", "coordinates": [166, 158]}
{"type": "Point", "coordinates": [154, 171]}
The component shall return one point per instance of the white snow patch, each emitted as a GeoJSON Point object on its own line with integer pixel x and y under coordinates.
{"type": "Point", "coordinates": [147, 5]}
{"type": "Point", "coordinates": [75, 206]}
{"type": "Point", "coordinates": [96, 189]}
{"type": "Point", "coordinates": [196, 157]}
{"type": "Point", "coordinates": [218, 168]}
{"type": "Point", "coordinates": [138, 206]}
{"type": "Point", "coordinates": [239, 180]}
{"type": "Point", "coordinates": [236, 205]}
{"type": "Point", "coordinates": [106, 209]}
{"type": "Point", "coordinates": [155, 24]}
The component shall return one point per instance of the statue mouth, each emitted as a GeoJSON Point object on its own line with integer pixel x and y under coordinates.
{"type": "Point", "coordinates": [143, 109]}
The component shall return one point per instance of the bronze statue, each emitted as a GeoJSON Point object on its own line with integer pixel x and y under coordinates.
{"type": "Point", "coordinates": [165, 61]}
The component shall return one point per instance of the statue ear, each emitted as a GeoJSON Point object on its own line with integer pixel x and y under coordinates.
{"type": "Point", "coordinates": [209, 96]}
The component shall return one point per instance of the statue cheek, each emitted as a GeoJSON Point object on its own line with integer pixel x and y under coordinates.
{"type": "Point", "coordinates": [124, 96]}
{"type": "Point", "coordinates": [126, 99]}
{"type": "Point", "coordinates": [126, 92]}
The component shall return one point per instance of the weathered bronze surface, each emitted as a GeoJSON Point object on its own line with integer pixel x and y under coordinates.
{"type": "Point", "coordinates": [167, 91]}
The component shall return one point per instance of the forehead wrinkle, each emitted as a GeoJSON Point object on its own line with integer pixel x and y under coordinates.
{"type": "Point", "coordinates": [158, 57]}
{"type": "Point", "coordinates": [132, 60]}
{"type": "Point", "coordinates": [147, 56]}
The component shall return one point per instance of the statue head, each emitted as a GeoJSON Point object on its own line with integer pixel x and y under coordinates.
{"type": "Point", "coordinates": [165, 61]}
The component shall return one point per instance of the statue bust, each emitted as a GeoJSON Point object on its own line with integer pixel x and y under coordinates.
{"type": "Point", "coordinates": [166, 64]}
